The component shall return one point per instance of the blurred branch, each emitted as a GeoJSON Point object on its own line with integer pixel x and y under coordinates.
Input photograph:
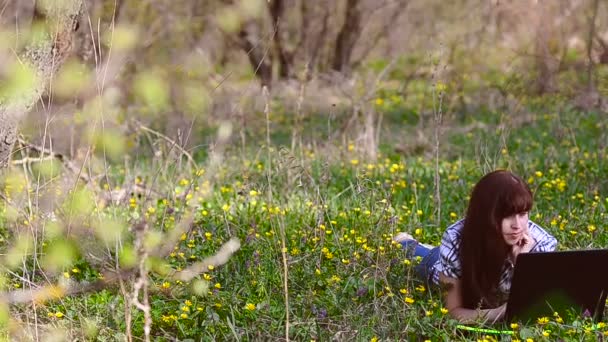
{"type": "Point", "coordinates": [111, 277]}
{"type": "Point", "coordinates": [170, 141]}
{"type": "Point", "coordinates": [141, 283]}
{"type": "Point", "coordinates": [50, 155]}
{"type": "Point", "coordinates": [222, 256]}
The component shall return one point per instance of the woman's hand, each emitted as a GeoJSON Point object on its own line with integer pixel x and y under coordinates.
{"type": "Point", "coordinates": [524, 245]}
{"type": "Point", "coordinates": [494, 315]}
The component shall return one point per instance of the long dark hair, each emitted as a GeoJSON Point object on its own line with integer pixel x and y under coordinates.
{"type": "Point", "coordinates": [483, 250]}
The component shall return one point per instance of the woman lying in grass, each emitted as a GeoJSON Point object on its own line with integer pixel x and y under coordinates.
{"type": "Point", "coordinates": [474, 263]}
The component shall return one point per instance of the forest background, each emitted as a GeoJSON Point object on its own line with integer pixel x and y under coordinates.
{"type": "Point", "coordinates": [235, 170]}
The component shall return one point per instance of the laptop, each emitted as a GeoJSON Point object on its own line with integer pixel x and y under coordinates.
{"type": "Point", "coordinates": [565, 282]}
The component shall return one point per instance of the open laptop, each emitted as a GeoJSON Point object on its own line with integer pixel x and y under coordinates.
{"type": "Point", "coordinates": [564, 282]}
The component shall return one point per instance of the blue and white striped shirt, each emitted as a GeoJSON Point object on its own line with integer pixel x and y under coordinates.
{"type": "Point", "coordinates": [448, 262]}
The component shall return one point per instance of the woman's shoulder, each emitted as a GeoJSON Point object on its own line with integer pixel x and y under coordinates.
{"type": "Point", "coordinates": [452, 233]}
{"type": "Point", "coordinates": [536, 228]}
{"type": "Point", "coordinates": [544, 240]}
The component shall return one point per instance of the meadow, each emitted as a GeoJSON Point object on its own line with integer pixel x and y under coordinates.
{"type": "Point", "coordinates": [317, 261]}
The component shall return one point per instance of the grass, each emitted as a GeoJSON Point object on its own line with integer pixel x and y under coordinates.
{"type": "Point", "coordinates": [347, 280]}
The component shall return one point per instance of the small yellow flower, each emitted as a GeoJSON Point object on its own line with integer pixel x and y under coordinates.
{"type": "Point", "coordinates": [542, 320]}
{"type": "Point", "coordinates": [440, 86]}
{"type": "Point", "coordinates": [184, 315]}
{"type": "Point", "coordinates": [59, 314]}
{"type": "Point", "coordinates": [250, 307]}
{"type": "Point", "coordinates": [514, 326]}
{"type": "Point", "coordinates": [409, 300]}
{"type": "Point", "coordinates": [444, 311]}
{"type": "Point", "coordinates": [166, 285]}
{"type": "Point", "coordinates": [210, 267]}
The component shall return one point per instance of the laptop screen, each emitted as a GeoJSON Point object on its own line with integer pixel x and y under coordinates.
{"type": "Point", "coordinates": [566, 282]}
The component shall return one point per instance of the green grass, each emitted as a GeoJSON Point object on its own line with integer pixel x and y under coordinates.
{"type": "Point", "coordinates": [347, 280]}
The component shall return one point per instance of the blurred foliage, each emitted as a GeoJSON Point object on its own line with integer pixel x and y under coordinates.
{"type": "Point", "coordinates": [159, 114]}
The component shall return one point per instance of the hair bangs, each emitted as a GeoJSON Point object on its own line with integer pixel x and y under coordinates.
{"type": "Point", "coordinates": [517, 199]}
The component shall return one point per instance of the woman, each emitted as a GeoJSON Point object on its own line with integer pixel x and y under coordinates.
{"type": "Point", "coordinates": [474, 263]}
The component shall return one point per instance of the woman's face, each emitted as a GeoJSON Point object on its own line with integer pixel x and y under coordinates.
{"type": "Point", "coordinates": [513, 227]}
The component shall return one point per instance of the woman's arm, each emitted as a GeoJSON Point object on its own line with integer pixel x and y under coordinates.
{"type": "Point", "coordinates": [453, 302]}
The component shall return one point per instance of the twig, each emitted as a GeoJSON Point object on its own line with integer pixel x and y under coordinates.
{"type": "Point", "coordinates": [170, 141]}
{"type": "Point", "coordinates": [50, 155]}
{"type": "Point", "coordinates": [141, 284]}
{"type": "Point", "coordinates": [220, 258]}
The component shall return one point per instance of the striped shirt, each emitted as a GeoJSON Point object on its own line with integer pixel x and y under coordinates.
{"type": "Point", "coordinates": [448, 262]}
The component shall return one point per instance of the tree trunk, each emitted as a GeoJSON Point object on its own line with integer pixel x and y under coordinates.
{"type": "Point", "coordinates": [257, 54]}
{"type": "Point", "coordinates": [348, 36]}
{"type": "Point", "coordinates": [590, 40]}
{"type": "Point", "coordinates": [35, 67]}
{"type": "Point", "coordinates": [544, 60]}
{"type": "Point", "coordinates": [277, 9]}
